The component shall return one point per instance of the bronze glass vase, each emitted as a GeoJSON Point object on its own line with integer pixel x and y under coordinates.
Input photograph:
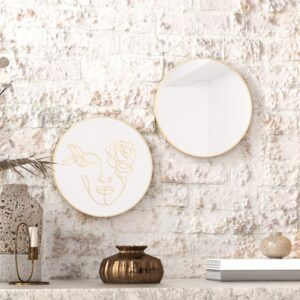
{"type": "Point", "coordinates": [131, 265]}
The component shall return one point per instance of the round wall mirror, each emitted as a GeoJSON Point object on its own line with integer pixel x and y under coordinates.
{"type": "Point", "coordinates": [203, 107]}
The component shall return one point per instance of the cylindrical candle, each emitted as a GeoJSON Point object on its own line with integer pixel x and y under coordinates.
{"type": "Point", "coordinates": [33, 232]}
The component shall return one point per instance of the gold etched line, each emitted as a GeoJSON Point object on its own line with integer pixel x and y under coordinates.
{"type": "Point", "coordinates": [120, 157]}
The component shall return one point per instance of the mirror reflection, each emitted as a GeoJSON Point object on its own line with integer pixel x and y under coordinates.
{"type": "Point", "coordinates": [203, 108]}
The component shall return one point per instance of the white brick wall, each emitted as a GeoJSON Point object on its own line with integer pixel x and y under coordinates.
{"type": "Point", "coordinates": [74, 59]}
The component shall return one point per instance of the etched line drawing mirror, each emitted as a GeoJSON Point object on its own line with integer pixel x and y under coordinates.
{"type": "Point", "coordinates": [103, 166]}
{"type": "Point", "coordinates": [203, 107]}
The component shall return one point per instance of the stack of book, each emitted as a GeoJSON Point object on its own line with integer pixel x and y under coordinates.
{"type": "Point", "coordinates": [253, 269]}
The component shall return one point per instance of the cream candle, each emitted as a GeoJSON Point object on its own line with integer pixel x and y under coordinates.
{"type": "Point", "coordinates": [33, 233]}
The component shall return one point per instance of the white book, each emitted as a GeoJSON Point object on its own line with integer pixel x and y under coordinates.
{"type": "Point", "coordinates": [261, 275]}
{"type": "Point", "coordinates": [253, 264]}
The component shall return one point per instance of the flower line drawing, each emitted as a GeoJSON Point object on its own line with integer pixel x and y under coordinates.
{"type": "Point", "coordinates": [103, 178]}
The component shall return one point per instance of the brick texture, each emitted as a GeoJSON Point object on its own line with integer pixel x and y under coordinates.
{"type": "Point", "coordinates": [76, 59]}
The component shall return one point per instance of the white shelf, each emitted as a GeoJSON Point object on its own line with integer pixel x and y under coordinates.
{"type": "Point", "coordinates": [167, 289]}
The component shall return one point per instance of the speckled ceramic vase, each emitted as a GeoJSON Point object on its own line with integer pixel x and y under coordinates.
{"type": "Point", "coordinates": [16, 206]}
{"type": "Point", "coordinates": [276, 245]}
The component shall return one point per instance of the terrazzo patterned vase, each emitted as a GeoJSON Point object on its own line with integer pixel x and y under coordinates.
{"type": "Point", "coordinates": [276, 245]}
{"type": "Point", "coordinates": [16, 206]}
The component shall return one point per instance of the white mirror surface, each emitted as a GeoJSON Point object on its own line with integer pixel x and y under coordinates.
{"type": "Point", "coordinates": [203, 107]}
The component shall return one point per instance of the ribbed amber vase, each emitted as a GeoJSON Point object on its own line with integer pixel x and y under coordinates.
{"type": "Point", "coordinates": [131, 265]}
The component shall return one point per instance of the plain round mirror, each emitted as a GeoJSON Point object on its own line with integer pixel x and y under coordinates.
{"type": "Point", "coordinates": [203, 107]}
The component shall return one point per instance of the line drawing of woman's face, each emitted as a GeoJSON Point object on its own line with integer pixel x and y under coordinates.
{"type": "Point", "coordinates": [103, 178]}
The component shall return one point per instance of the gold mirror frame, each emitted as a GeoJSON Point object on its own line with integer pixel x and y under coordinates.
{"type": "Point", "coordinates": [161, 84]}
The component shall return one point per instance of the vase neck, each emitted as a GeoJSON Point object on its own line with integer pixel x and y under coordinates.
{"type": "Point", "coordinates": [133, 250]}
{"type": "Point", "coordinates": [276, 234]}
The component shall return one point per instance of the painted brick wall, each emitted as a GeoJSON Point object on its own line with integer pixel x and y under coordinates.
{"type": "Point", "coordinates": [76, 59]}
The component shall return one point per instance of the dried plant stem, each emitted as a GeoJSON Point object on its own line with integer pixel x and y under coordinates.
{"type": "Point", "coordinates": [6, 87]}
{"type": "Point", "coordinates": [35, 166]}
